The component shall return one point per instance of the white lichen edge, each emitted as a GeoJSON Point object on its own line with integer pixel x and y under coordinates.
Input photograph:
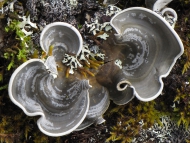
{"type": "Point", "coordinates": [118, 63]}
{"type": "Point", "coordinates": [61, 24]}
{"type": "Point", "coordinates": [51, 66]}
{"type": "Point", "coordinates": [41, 113]}
{"type": "Point", "coordinates": [175, 59]}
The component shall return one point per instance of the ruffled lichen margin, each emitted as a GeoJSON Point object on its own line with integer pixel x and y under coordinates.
{"type": "Point", "coordinates": [15, 126]}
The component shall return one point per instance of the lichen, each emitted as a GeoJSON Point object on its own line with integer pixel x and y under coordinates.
{"type": "Point", "coordinates": [85, 61]}
{"type": "Point", "coordinates": [166, 132]}
{"type": "Point", "coordinates": [181, 107]}
{"type": "Point", "coordinates": [20, 26]}
{"type": "Point", "coordinates": [16, 127]}
{"type": "Point", "coordinates": [95, 26]}
{"type": "Point", "coordinates": [132, 118]}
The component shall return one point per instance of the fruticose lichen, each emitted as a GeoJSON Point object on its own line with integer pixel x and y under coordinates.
{"type": "Point", "coordinates": [165, 132]}
{"type": "Point", "coordinates": [87, 57]}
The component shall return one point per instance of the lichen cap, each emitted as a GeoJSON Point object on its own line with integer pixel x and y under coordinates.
{"type": "Point", "coordinates": [62, 103]}
{"type": "Point", "coordinates": [61, 34]}
{"type": "Point", "coordinates": [152, 48]}
{"type": "Point", "coordinates": [65, 104]}
{"type": "Point", "coordinates": [39, 89]}
{"type": "Point", "coordinates": [99, 103]}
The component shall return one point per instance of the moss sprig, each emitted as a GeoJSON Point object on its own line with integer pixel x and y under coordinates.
{"type": "Point", "coordinates": [187, 56]}
{"type": "Point", "coordinates": [132, 118]}
{"type": "Point", "coordinates": [181, 107]}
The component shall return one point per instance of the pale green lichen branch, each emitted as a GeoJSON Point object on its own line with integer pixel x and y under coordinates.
{"type": "Point", "coordinates": [112, 10]}
{"type": "Point", "coordinates": [11, 5]}
{"type": "Point", "coordinates": [72, 62]}
{"type": "Point", "coordinates": [95, 26]}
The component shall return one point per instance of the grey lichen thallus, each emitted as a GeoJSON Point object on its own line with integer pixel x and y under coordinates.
{"type": "Point", "coordinates": [39, 88]}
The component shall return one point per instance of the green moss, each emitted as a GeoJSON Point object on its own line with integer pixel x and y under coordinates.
{"type": "Point", "coordinates": [19, 51]}
{"type": "Point", "coordinates": [40, 138]}
{"type": "Point", "coordinates": [184, 2]}
{"type": "Point", "coordinates": [130, 118]}
{"type": "Point", "coordinates": [186, 56]}
{"type": "Point", "coordinates": [11, 58]}
{"type": "Point", "coordinates": [3, 87]}
{"type": "Point", "coordinates": [182, 107]}
{"type": "Point", "coordinates": [2, 3]}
